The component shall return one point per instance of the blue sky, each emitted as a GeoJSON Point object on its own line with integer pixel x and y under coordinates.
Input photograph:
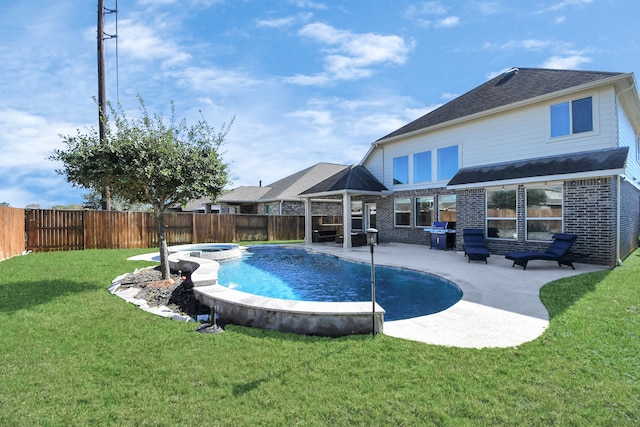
{"type": "Point", "coordinates": [307, 81]}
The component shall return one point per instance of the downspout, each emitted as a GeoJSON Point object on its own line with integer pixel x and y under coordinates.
{"type": "Point", "coordinates": [618, 260]}
{"type": "Point", "coordinates": [281, 202]}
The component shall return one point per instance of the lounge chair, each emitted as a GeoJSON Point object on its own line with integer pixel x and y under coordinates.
{"type": "Point", "coordinates": [474, 247]}
{"type": "Point", "coordinates": [557, 251]}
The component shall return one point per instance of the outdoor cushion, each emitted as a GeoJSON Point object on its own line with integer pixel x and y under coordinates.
{"type": "Point", "coordinates": [558, 251]}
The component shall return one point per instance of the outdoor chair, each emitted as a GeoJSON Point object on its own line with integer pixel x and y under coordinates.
{"type": "Point", "coordinates": [557, 251]}
{"type": "Point", "coordinates": [474, 247]}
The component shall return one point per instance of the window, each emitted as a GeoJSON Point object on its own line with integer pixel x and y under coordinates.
{"type": "Point", "coordinates": [269, 209]}
{"type": "Point", "coordinates": [402, 212]}
{"type": "Point", "coordinates": [502, 214]}
{"type": "Point", "coordinates": [422, 167]}
{"type": "Point", "coordinates": [447, 162]}
{"type": "Point", "coordinates": [424, 211]}
{"type": "Point", "coordinates": [401, 170]}
{"type": "Point", "coordinates": [572, 117]}
{"type": "Point", "coordinates": [544, 212]}
{"type": "Point", "coordinates": [356, 214]}
{"type": "Point", "coordinates": [447, 208]}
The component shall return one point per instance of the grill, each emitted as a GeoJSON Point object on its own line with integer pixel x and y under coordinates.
{"type": "Point", "coordinates": [443, 235]}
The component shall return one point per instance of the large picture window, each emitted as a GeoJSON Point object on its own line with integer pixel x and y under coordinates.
{"type": "Point", "coordinates": [402, 212]}
{"type": "Point", "coordinates": [401, 170]}
{"type": "Point", "coordinates": [544, 212]}
{"type": "Point", "coordinates": [447, 162]}
{"type": "Point", "coordinates": [424, 211]}
{"type": "Point", "coordinates": [572, 117]}
{"type": "Point", "coordinates": [422, 167]}
{"type": "Point", "coordinates": [502, 220]}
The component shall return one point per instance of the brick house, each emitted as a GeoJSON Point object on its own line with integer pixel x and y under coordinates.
{"type": "Point", "coordinates": [527, 154]}
{"type": "Point", "coordinates": [281, 197]}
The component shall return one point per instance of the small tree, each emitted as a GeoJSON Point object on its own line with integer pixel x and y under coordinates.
{"type": "Point", "coordinates": [148, 161]}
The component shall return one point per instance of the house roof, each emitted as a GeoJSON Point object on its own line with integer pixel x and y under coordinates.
{"type": "Point", "coordinates": [515, 85]}
{"type": "Point", "coordinates": [609, 159]}
{"type": "Point", "coordinates": [352, 179]}
{"type": "Point", "coordinates": [287, 188]}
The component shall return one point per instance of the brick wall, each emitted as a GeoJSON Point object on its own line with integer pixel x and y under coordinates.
{"type": "Point", "coordinates": [589, 210]}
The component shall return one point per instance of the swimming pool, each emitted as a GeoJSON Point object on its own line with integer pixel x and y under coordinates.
{"type": "Point", "coordinates": [296, 274]}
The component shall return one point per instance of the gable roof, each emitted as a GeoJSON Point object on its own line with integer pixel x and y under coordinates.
{"type": "Point", "coordinates": [515, 85]}
{"type": "Point", "coordinates": [354, 179]}
{"type": "Point", "coordinates": [610, 159]}
{"type": "Point", "coordinates": [287, 188]}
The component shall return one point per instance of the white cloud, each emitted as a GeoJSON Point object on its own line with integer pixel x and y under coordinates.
{"type": "Point", "coordinates": [30, 139]}
{"type": "Point", "coordinates": [350, 55]}
{"type": "Point", "coordinates": [214, 80]}
{"type": "Point", "coordinates": [448, 22]}
{"type": "Point", "coordinates": [308, 4]}
{"type": "Point", "coordinates": [567, 3]}
{"type": "Point", "coordinates": [144, 42]}
{"type": "Point", "coordinates": [283, 22]}
{"type": "Point", "coordinates": [572, 61]}
{"type": "Point", "coordinates": [487, 7]}
{"type": "Point", "coordinates": [424, 15]}
{"type": "Point", "coordinates": [560, 19]}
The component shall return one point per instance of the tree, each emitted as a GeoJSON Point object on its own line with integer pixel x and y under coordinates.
{"type": "Point", "coordinates": [148, 161]}
{"type": "Point", "coordinates": [93, 200]}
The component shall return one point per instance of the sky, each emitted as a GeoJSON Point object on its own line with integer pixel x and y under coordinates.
{"type": "Point", "coordinates": [305, 81]}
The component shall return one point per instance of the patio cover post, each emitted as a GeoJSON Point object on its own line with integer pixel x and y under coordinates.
{"type": "Point", "coordinates": [346, 220]}
{"type": "Point", "coordinates": [308, 217]}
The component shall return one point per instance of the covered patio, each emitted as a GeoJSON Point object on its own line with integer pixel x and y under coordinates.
{"type": "Point", "coordinates": [355, 181]}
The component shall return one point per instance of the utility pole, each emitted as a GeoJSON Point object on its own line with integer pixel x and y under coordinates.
{"type": "Point", "coordinates": [102, 103]}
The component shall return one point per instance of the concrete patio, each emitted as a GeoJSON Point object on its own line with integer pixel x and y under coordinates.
{"type": "Point", "coordinates": [500, 306]}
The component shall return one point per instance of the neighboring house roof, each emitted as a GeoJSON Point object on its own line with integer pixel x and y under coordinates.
{"type": "Point", "coordinates": [610, 159]}
{"type": "Point", "coordinates": [199, 205]}
{"type": "Point", "coordinates": [245, 193]}
{"type": "Point", "coordinates": [285, 189]}
{"type": "Point", "coordinates": [513, 86]}
{"type": "Point", "coordinates": [355, 179]}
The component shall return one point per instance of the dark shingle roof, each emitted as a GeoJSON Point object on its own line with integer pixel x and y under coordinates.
{"type": "Point", "coordinates": [588, 161]}
{"type": "Point", "coordinates": [352, 178]}
{"type": "Point", "coordinates": [513, 86]}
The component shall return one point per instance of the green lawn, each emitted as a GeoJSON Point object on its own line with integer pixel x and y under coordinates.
{"type": "Point", "coordinates": [72, 354]}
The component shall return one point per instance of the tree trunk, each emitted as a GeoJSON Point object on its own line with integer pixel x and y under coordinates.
{"type": "Point", "coordinates": [162, 243]}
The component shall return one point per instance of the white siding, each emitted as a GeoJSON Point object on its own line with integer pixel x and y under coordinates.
{"type": "Point", "coordinates": [513, 135]}
{"type": "Point", "coordinates": [628, 138]}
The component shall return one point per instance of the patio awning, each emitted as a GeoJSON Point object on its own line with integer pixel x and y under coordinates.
{"type": "Point", "coordinates": [610, 161]}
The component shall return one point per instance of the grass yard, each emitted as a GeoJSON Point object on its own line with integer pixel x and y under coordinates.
{"type": "Point", "coordinates": [72, 354]}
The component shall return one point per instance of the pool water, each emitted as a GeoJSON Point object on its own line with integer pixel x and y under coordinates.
{"type": "Point", "coordinates": [296, 274]}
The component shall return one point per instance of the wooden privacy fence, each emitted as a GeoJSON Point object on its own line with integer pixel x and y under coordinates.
{"type": "Point", "coordinates": [61, 230]}
{"type": "Point", "coordinates": [12, 239]}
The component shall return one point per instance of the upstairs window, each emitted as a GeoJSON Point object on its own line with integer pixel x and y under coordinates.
{"type": "Point", "coordinates": [572, 117]}
{"type": "Point", "coordinates": [447, 162]}
{"type": "Point", "coordinates": [401, 170]}
{"type": "Point", "coordinates": [422, 167]}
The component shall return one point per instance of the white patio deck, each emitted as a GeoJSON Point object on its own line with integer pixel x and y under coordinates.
{"type": "Point", "coordinates": [500, 306]}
